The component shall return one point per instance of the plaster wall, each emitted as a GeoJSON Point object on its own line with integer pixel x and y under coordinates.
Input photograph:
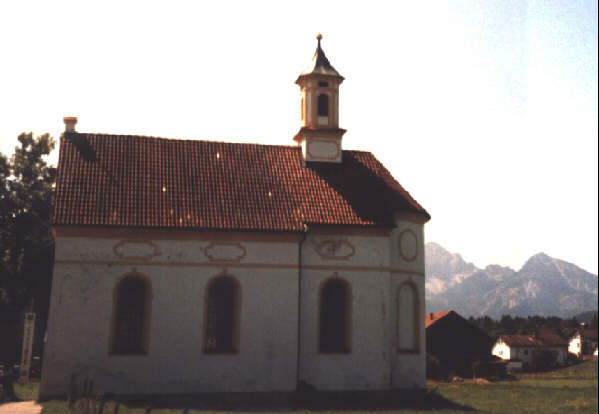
{"type": "Point", "coordinates": [406, 252]}
{"type": "Point", "coordinates": [88, 268]}
{"type": "Point", "coordinates": [366, 366]}
{"type": "Point", "coordinates": [502, 350]}
{"type": "Point", "coordinates": [365, 264]}
{"type": "Point", "coordinates": [575, 346]}
{"type": "Point", "coordinates": [81, 311]}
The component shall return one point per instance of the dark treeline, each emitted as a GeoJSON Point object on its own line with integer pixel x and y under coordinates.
{"type": "Point", "coordinates": [519, 325]}
{"type": "Point", "coordinates": [26, 243]}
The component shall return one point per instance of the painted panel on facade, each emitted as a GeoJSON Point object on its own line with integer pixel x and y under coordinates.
{"type": "Point", "coordinates": [135, 250]}
{"type": "Point", "coordinates": [333, 249]}
{"type": "Point", "coordinates": [225, 251]}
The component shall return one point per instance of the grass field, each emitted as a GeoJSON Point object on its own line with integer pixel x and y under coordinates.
{"type": "Point", "coordinates": [568, 390]}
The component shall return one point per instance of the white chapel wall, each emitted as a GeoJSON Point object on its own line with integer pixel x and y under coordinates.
{"type": "Point", "coordinates": [406, 250]}
{"type": "Point", "coordinates": [85, 275]}
{"type": "Point", "coordinates": [87, 270]}
{"type": "Point", "coordinates": [363, 262]}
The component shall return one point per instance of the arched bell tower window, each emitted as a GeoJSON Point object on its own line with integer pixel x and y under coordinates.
{"type": "Point", "coordinates": [323, 104]}
{"type": "Point", "coordinates": [221, 334]}
{"type": "Point", "coordinates": [131, 316]}
{"type": "Point", "coordinates": [335, 317]}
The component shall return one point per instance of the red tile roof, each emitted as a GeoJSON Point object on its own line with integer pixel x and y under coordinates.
{"type": "Point", "coordinates": [549, 340]}
{"type": "Point", "coordinates": [585, 333]}
{"type": "Point", "coordinates": [589, 334]}
{"type": "Point", "coordinates": [434, 317]}
{"type": "Point", "coordinates": [137, 181]}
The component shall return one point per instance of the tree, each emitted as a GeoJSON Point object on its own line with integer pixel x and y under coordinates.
{"type": "Point", "coordinates": [544, 359]}
{"type": "Point", "coordinates": [26, 243]}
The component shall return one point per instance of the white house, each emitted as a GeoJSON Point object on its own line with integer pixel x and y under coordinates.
{"type": "Point", "coordinates": [575, 344]}
{"type": "Point", "coordinates": [188, 266]}
{"type": "Point", "coordinates": [524, 347]}
{"type": "Point", "coordinates": [581, 341]}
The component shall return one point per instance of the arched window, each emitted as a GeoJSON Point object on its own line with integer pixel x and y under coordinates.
{"type": "Point", "coordinates": [222, 316]}
{"type": "Point", "coordinates": [131, 316]}
{"type": "Point", "coordinates": [408, 317]}
{"type": "Point", "coordinates": [335, 317]}
{"type": "Point", "coordinates": [323, 104]}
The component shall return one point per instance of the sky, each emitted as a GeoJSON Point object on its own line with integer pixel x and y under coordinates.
{"type": "Point", "coordinates": [485, 111]}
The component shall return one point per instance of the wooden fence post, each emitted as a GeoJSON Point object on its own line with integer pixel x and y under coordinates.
{"type": "Point", "coordinates": [72, 391]}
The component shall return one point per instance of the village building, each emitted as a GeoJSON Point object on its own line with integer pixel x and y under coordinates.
{"type": "Point", "coordinates": [459, 346]}
{"type": "Point", "coordinates": [581, 341]}
{"type": "Point", "coordinates": [524, 348]}
{"type": "Point", "coordinates": [186, 267]}
{"type": "Point", "coordinates": [575, 344]}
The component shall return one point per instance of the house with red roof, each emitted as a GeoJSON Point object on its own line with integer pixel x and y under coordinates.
{"type": "Point", "coordinates": [524, 348]}
{"type": "Point", "coordinates": [189, 267]}
{"type": "Point", "coordinates": [459, 346]}
{"type": "Point", "coordinates": [581, 341]}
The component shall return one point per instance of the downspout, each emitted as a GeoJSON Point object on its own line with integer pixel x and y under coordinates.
{"type": "Point", "coordinates": [299, 303]}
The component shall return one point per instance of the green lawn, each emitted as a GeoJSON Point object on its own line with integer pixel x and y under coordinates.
{"type": "Point", "coordinates": [568, 390]}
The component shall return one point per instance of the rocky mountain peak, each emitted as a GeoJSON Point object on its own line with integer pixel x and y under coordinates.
{"type": "Point", "coordinates": [444, 265]}
{"type": "Point", "coordinates": [540, 258]}
{"type": "Point", "coordinates": [543, 286]}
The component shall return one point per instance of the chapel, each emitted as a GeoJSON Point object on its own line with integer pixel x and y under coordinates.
{"type": "Point", "coordinates": [189, 266]}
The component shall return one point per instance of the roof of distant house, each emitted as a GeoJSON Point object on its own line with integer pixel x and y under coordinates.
{"type": "Point", "coordinates": [589, 334]}
{"type": "Point", "coordinates": [431, 318]}
{"type": "Point", "coordinates": [546, 340]}
{"type": "Point", "coordinates": [585, 333]}
{"type": "Point", "coordinates": [136, 181]}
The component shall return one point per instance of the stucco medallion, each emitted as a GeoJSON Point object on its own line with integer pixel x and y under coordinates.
{"type": "Point", "coordinates": [221, 251]}
{"type": "Point", "coordinates": [408, 245]}
{"type": "Point", "coordinates": [338, 249]}
{"type": "Point", "coordinates": [135, 250]}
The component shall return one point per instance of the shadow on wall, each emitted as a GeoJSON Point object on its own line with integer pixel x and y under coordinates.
{"type": "Point", "coordinates": [306, 397]}
{"type": "Point", "coordinates": [358, 401]}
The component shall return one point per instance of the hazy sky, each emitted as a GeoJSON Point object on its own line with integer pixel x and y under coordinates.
{"type": "Point", "coordinates": [486, 111]}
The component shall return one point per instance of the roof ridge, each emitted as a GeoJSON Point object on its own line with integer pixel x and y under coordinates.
{"type": "Point", "coordinates": [292, 146]}
{"type": "Point", "coordinates": [102, 134]}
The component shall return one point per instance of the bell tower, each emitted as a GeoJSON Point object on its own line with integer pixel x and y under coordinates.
{"type": "Point", "coordinates": [319, 134]}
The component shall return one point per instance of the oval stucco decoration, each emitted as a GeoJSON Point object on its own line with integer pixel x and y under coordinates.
{"type": "Point", "coordinates": [326, 150]}
{"type": "Point", "coordinates": [334, 249]}
{"type": "Point", "coordinates": [225, 252]}
{"type": "Point", "coordinates": [408, 245]}
{"type": "Point", "coordinates": [135, 250]}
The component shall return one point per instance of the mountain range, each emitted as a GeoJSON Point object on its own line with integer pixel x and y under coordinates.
{"type": "Point", "coordinates": [544, 286]}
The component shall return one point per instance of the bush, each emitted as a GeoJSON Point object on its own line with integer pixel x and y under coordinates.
{"type": "Point", "coordinates": [434, 368]}
{"type": "Point", "coordinates": [544, 359]}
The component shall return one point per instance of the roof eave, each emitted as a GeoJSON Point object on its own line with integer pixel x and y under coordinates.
{"type": "Point", "coordinates": [319, 75]}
